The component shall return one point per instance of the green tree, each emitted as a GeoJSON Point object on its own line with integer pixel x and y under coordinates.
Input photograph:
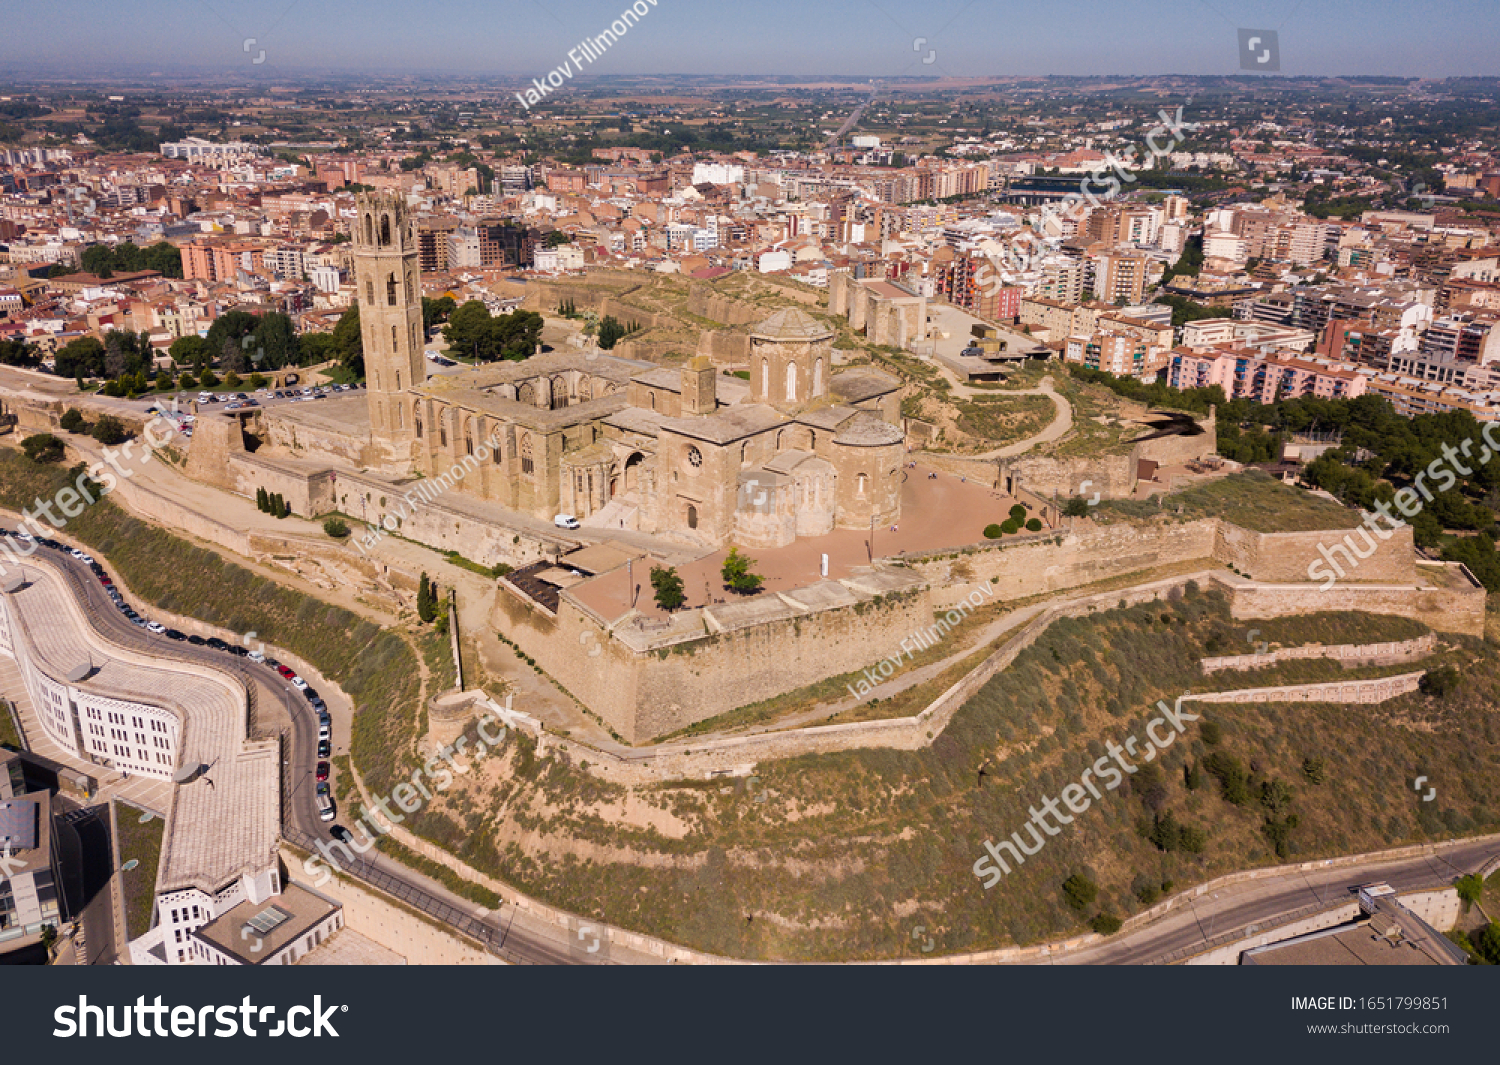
{"type": "Point", "coordinates": [1080, 891]}
{"type": "Point", "coordinates": [668, 587]}
{"type": "Point", "coordinates": [189, 351]}
{"type": "Point", "coordinates": [469, 332]}
{"type": "Point", "coordinates": [348, 343]}
{"type": "Point", "coordinates": [261, 500]}
{"type": "Point", "coordinates": [336, 528]}
{"type": "Point", "coordinates": [426, 609]}
{"type": "Point", "coordinates": [43, 447]}
{"type": "Point", "coordinates": [83, 357]}
{"type": "Point", "coordinates": [437, 310]}
{"type": "Point", "coordinates": [611, 332]}
{"type": "Point", "coordinates": [19, 353]}
{"type": "Point", "coordinates": [1077, 507]}
{"type": "Point", "coordinates": [737, 575]}
{"type": "Point", "coordinates": [71, 421]}
{"type": "Point", "coordinates": [993, 532]}
{"type": "Point", "coordinates": [108, 430]}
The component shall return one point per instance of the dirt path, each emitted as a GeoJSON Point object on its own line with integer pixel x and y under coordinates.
{"type": "Point", "coordinates": [1062, 423]}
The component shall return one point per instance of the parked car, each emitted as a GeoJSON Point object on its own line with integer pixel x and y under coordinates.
{"type": "Point", "coordinates": [196, 640]}
{"type": "Point", "coordinates": [324, 788]}
{"type": "Point", "coordinates": [173, 634]}
{"type": "Point", "coordinates": [285, 671]}
{"type": "Point", "coordinates": [342, 834]}
{"type": "Point", "coordinates": [325, 748]}
{"type": "Point", "coordinates": [156, 627]}
{"type": "Point", "coordinates": [256, 656]}
{"type": "Point", "coordinates": [217, 644]}
{"type": "Point", "coordinates": [323, 770]}
{"type": "Point", "coordinates": [299, 683]}
{"type": "Point", "coordinates": [566, 521]}
{"type": "Point", "coordinates": [326, 810]}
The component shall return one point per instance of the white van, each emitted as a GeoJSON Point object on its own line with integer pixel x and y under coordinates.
{"type": "Point", "coordinates": [566, 521]}
{"type": "Point", "coordinates": [326, 809]}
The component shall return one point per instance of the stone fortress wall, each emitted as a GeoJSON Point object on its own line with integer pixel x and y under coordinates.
{"type": "Point", "coordinates": [1350, 654]}
{"type": "Point", "coordinates": [645, 684]}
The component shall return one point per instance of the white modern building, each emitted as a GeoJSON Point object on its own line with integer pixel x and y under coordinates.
{"type": "Point", "coordinates": [156, 716]}
{"type": "Point", "coordinates": [198, 150]}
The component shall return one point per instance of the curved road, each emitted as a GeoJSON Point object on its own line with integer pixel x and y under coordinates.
{"type": "Point", "coordinates": [514, 937]}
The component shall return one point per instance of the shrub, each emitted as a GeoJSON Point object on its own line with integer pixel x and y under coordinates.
{"type": "Point", "coordinates": [1018, 513]}
{"type": "Point", "coordinates": [1034, 525]}
{"type": "Point", "coordinates": [165, 383]}
{"type": "Point", "coordinates": [209, 379]}
{"type": "Point", "coordinates": [108, 430]}
{"type": "Point", "coordinates": [71, 421]}
{"type": "Point", "coordinates": [336, 528]}
{"type": "Point", "coordinates": [1313, 769]}
{"type": "Point", "coordinates": [1470, 888]}
{"type": "Point", "coordinates": [187, 380]}
{"type": "Point", "coordinates": [1106, 924]}
{"type": "Point", "coordinates": [1077, 507]}
{"type": "Point", "coordinates": [43, 447]}
{"type": "Point", "coordinates": [1080, 891]}
{"type": "Point", "coordinates": [1211, 733]}
{"type": "Point", "coordinates": [231, 380]}
{"type": "Point", "coordinates": [992, 532]}
{"type": "Point", "coordinates": [1439, 682]}
{"type": "Point", "coordinates": [1233, 782]}
{"type": "Point", "coordinates": [257, 380]}
{"type": "Point", "coordinates": [1010, 526]}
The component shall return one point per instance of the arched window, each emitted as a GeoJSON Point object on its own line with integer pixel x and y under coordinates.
{"type": "Point", "coordinates": [390, 290]}
{"type": "Point", "coordinates": [692, 517]}
{"type": "Point", "coordinates": [653, 399]}
{"type": "Point", "coordinates": [527, 465]}
{"type": "Point", "coordinates": [469, 439]}
{"type": "Point", "coordinates": [765, 378]}
{"type": "Point", "coordinates": [369, 293]}
{"type": "Point", "coordinates": [791, 382]}
{"type": "Point", "coordinates": [860, 482]}
{"type": "Point", "coordinates": [400, 417]}
{"type": "Point", "coordinates": [818, 377]}
{"type": "Point", "coordinates": [385, 229]}
{"type": "Point", "coordinates": [369, 233]}
{"type": "Point", "coordinates": [442, 424]}
{"type": "Point", "coordinates": [398, 380]}
{"type": "Point", "coordinates": [416, 421]}
{"type": "Point", "coordinates": [408, 291]}
{"type": "Point", "coordinates": [394, 342]}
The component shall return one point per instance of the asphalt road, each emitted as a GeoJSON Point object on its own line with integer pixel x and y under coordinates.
{"type": "Point", "coordinates": [1259, 902]}
{"type": "Point", "coordinates": [517, 939]}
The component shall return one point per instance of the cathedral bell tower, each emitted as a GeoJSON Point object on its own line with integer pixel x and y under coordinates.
{"type": "Point", "coordinates": [390, 315]}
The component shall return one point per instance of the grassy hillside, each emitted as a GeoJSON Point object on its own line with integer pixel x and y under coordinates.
{"type": "Point", "coordinates": [842, 855]}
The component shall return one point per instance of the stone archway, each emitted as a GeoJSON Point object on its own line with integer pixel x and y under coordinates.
{"type": "Point", "coordinates": [633, 471]}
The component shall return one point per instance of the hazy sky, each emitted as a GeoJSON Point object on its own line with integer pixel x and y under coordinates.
{"type": "Point", "coordinates": [863, 37]}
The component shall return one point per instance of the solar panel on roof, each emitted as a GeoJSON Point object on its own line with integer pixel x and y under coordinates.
{"type": "Point", "coordinates": [269, 918]}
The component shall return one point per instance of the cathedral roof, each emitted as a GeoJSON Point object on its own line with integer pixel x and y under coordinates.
{"type": "Point", "coordinates": [791, 324]}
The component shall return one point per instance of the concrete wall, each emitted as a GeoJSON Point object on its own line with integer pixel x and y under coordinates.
{"type": "Point", "coordinates": [1111, 476]}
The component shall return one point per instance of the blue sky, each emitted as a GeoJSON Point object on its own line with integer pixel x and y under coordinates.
{"type": "Point", "coordinates": [860, 37]}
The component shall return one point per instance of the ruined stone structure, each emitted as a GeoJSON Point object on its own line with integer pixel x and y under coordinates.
{"type": "Point", "coordinates": [886, 312]}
